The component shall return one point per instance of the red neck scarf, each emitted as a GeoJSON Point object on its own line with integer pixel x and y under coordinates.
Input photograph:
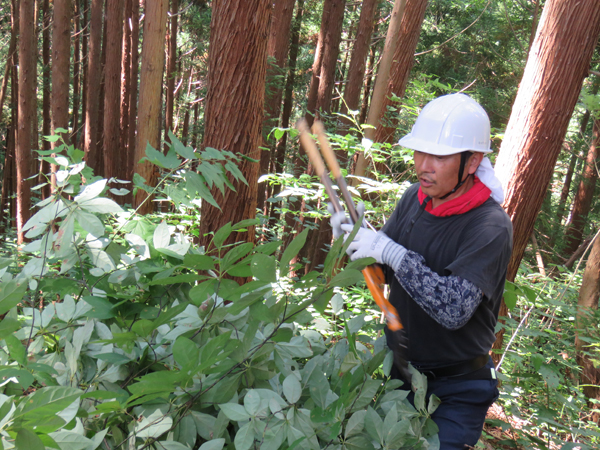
{"type": "Point", "coordinates": [471, 199]}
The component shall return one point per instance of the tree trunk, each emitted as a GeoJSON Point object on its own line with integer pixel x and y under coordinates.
{"type": "Point", "coordinates": [588, 302]}
{"type": "Point", "coordinates": [410, 30]}
{"type": "Point", "coordinates": [558, 62]}
{"type": "Point", "coordinates": [46, 93]}
{"type": "Point", "coordinates": [61, 54]}
{"type": "Point", "coordinates": [84, 60]}
{"type": "Point", "coordinates": [153, 63]}
{"type": "Point", "coordinates": [331, 50]}
{"type": "Point", "coordinates": [133, 91]}
{"type": "Point", "coordinates": [313, 89]}
{"type": "Point", "coordinates": [358, 61]}
{"type": "Point", "coordinates": [277, 49]}
{"type": "Point", "coordinates": [171, 68]}
{"type": "Point", "coordinates": [236, 83]}
{"type": "Point", "coordinates": [564, 194]}
{"type": "Point", "coordinates": [364, 108]}
{"type": "Point", "coordinates": [381, 83]}
{"type": "Point", "coordinates": [94, 71]}
{"type": "Point", "coordinates": [126, 82]}
{"type": "Point", "coordinates": [585, 195]}
{"type": "Point", "coordinates": [76, 72]}
{"type": "Point", "coordinates": [26, 112]}
{"type": "Point", "coordinates": [112, 90]}
{"type": "Point", "coordinates": [12, 48]}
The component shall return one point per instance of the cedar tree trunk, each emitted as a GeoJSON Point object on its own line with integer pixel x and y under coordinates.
{"type": "Point", "coordinates": [112, 90]}
{"type": "Point", "coordinates": [94, 73]}
{"type": "Point", "coordinates": [26, 111]}
{"type": "Point", "coordinates": [153, 63]}
{"type": "Point", "coordinates": [558, 62]}
{"type": "Point", "coordinates": [235, 103]}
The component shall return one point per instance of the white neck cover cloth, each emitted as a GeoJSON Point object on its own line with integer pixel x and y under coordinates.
{"type": "Point", "coordinates": [486, 174]}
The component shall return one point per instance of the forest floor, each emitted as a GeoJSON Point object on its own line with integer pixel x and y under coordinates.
{"type": "Point", "coordinates": [496, 435]}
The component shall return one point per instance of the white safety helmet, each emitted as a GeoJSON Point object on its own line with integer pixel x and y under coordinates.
{"type": "Point", "coordinates": [450, 124]}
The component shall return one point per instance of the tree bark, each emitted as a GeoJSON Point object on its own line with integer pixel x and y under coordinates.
{"type": "Point", "coordinates": [585, 195]}
{"type": "Point", "coordinates": [126, 82]}
{"type": "Point", "coordinates": [94, 71]}
{"type": "Point", "coordinates": [588, 302]}
{"type": "Point", "coordinates": [313, 89]}
{"type": "Point", "coordinates": [153, 63]}
{"type": "Point", "coordinates": [236, 83]}
{"type": "Point", "coordinates": [61, 55]}
{"type": "Point", "coordinates": [358, 60]}
{"type": "Point", "coordinates": [381, 82]}
{"type": "Point", "coordinates": [171, 68]}
{"type": "Point", "coordinates": [12, 48]}
{"type": "Point", "coordinates": [331, 50]}
{"type": "Point", "coordinates": [279, 156]}
{"type": "Point", "coordinates": [410, 29]}
{"type": "Point", "coordinates": [558, 62]}
{"type": "Point", "coordinates": [133, 91]}
{"type": "Point", "coordinates": [26, 111]}
{"type": "Point", "coordinates": [277, 49]}
{"type": "Point", "coordinates": [76, 72]}
{"type": "Point", "coordinates": [112, 90]}
{"type": "Point", "coordinates": [84, 60]}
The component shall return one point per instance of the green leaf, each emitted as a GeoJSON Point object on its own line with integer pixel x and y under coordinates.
{"type": "Point", "coordinates": [168, 161]}
{"type": "Point", "coordinates": [172, 445]}
{"type": "Point", "coordinates": [143, 327]}
{"type": "Point", "coordinates": [355, 424]}
{"type": "Point", "coordinates": [11, 294]}
{"type": "Point", "coordinates": [237, 252]}
{"type": "Point", "coordinates": [202, 292]}
{"type": "Point", "coordinates": [291, 251]}
{"type": "Point", "coordinates": [101, 206]}
{"type": "Point", "coordinates": [222, 234]}
{"type": "Point", "coordinates": [45, 402]}
{"type": "Point", "coordinates": [244, 438]}
{"type": "Point", "coordinates": [195, 183]}
{"type": "Point", "coordinates": [8, 326]}
{"type": "Point", "coordinates": [185, 352]}
{"type": "Point", "coordinates": [264, 268]}
{"type": "Point", "coordinates": [181, 278]}
{"type": "Point", "coordinates": [199, 262]}
{"type": "Point", "coordinates": [162, 236]}
{"type": "Point", "coordinates": [355, 324]}
{"type": "Point", "coordinates": [215, 444]}
{"type": "Point", "coordinates": [213, 174]}
{"type": "Point", "coordinates": [16, 350]}
{"type": "Point", "coordinates": [180, 149]}
{"type": "Point", "coordinates": [346, 277]}
{"type": "Point", "coordinates": [374, 425]}
{"type": "Point", "coordinates": [28, 440]}
{"type": "Point", "coordinates": [114, 358]}
{"type": "Point", "coordinates": [24, 377]}
{"type": "Point", "coordinates": [292, 389]}
{"type": "Point", "coordinates": [234, 412]}
{"type": "Point", "coordinates": [153, 425]}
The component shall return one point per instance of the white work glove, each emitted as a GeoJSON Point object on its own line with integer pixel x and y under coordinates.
{"type": "Point", "coordinates": [339, 218]}
{"type": "Point", "coordinates": [370, 244]}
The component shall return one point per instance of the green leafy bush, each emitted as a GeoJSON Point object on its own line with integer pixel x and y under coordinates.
{"type": "Point", "coordinates": [118, 331]}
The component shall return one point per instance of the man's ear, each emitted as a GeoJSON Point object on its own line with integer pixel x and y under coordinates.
{"type": "Point", "coordinates": [474, 162]}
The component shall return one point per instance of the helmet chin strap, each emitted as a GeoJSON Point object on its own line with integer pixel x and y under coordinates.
{"type": "Point", "coordinates": [464, 156]}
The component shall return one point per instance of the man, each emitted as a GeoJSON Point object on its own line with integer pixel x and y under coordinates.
{"type": "Point", "coordinates": [446, 248]}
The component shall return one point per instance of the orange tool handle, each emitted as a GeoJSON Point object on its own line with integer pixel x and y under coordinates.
{"type": "Point", "coordinates": [375, 278]}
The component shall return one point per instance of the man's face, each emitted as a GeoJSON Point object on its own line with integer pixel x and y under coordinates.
{"type": "Point", "coordinates": [439, 174]}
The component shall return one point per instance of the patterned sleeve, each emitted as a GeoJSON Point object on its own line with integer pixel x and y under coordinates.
{"type": "Point", "coordinates": [450, 301]}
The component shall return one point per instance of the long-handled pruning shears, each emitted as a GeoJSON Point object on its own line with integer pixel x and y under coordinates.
{"type": "Point", "coordinates": [373, 274]}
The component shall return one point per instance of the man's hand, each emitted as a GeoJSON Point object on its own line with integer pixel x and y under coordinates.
{"type": "Point", "coordinates": [371, 244]}
{"type": "Point", "coordinates": [339, 218]}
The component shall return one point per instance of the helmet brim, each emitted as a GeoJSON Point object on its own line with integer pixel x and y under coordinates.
{"type": "Point", "coordinates": [421, 145]}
